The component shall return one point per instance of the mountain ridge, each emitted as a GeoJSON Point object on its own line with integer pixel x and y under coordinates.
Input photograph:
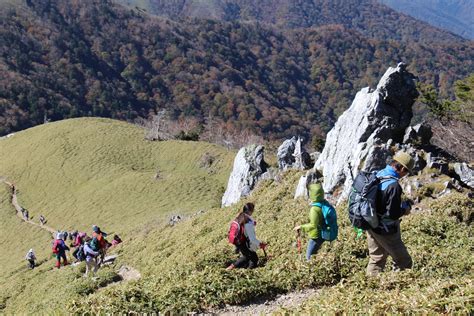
{"type": "Point", "coordinates": [456, 16]}
{"type": "Point", "coordinates": [363, 16]}
{"type": "Point", "coordinates": [95, 58]}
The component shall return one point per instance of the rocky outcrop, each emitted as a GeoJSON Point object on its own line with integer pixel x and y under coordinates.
{"type": "Point", "coordinates": [465, 173]}
{"type": "Point", "coordinates": [309, 178]}
{"type": "Point", "coordinates": [285, 154]}
{"type": "Point", "coordinates": [358, 139]}
{"type": "Point", "coordinates": [438, 163]}
{"type": "Point", "coordinates": [419, 134]}
{"type": "Point", "coordinates": [291, 155]}
{"type": "Point", "coordinates": [249, 166]}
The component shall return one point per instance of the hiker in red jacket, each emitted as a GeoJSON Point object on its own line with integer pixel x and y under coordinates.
{"type": "Point", "coordinates": [59, 249]}
{"type": "Point", "coordinates": [249, 243]}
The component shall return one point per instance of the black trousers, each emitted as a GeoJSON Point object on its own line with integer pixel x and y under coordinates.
{"type": "Point", "coordinates": [32, 263]}
{"type": "Point", "coordinates": [248, 259]}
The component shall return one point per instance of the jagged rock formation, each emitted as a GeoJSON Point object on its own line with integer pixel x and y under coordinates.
{"type": "Point", "coordinates": [358, 138]}
{"type": "Point", "coordinates": [418, 134]}
{"type": "Point", "coordinates": [465, 174]}
{"type": "Point", "coordinates": [302, 188]}
{"type": "Point", "coordinates": [285, 153]}
{"type": "Point", "coordinates": [291, 155]}
{"type": "Point", "coordinates": [438, 163]}
{"type": "Point", "coordinates": [249, 166]}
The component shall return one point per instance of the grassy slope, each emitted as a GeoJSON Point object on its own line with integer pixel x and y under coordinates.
{"type": "Point", "coordinates": [184, 266]}
{"type": "Point", "coordinates": [85, 171]}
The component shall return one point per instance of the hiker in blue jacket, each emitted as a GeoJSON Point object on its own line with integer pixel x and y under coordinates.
{"type": "Point", "coordinates": [386, 240]}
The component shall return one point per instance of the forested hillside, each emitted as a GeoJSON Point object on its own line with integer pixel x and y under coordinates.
{"type": "Point", "coordinates": [61, 59]}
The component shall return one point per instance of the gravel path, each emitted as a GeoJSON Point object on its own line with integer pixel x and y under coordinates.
{"type": "Point", "coordinates": [18, 209]}
{"type": "Point", "coordinates": [268, 306]}
{"type": "Point", "coordinates": [127, 273]}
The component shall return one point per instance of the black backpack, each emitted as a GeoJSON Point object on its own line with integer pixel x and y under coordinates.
{"type": "Point", "coordinates": [362, 200]}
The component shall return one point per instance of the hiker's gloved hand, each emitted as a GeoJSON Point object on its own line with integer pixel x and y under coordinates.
{"type": "Point", "coordinates": [406, 206]}
{"type": "Point", "coordinates": [263, 245]}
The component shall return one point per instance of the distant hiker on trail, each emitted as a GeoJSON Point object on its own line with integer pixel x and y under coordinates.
{"type": "Point", "coordinates": [322, 224]}
{"type": "Point", "coordinates": [59, 249]}
{"type": "Point", "coordinates": [242, 235]}
{"type": "Point", "coordinates": [385, 240]}
{"type": "Point", "coordinates": [91, 255]}
{"type": "Point", "coordinates": [26, 214]}
{"type": "Point", "coordinates": [116, 240]}
{"type": "Point", "coordinates": [30, 256]}
{"type": "Point", "coordinates": [42, 220]}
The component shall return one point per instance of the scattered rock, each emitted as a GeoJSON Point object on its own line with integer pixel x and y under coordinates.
{"type": "Point", "coordinates": [271, 174]}
{"type": "Point", "coordinates": [453, 184]}
{"type": "Point", "coordinates": [373, 119]}
{"type": "Point", "coordinates": [419, 134]}
{"type": "Point", "coordinates": [129, 273]}
{"type": "Point", "coordinates": [249, 166]}
{"type": "Point", "coordinates": [420, 163]}
{"type": "Point", "coordinates": [157, 175]}
{"type": "Point", "coordinates": [465, 173]}
{"type": "Point", "coordinates": [175, 219]}
{"type": "Point", "coordinates": [438, 163]}
{"type": "Point", "coordinates": [207, 160]}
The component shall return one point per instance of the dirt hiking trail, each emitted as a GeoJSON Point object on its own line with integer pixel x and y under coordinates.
{"type": "Point", "coordinates": [125, 272]}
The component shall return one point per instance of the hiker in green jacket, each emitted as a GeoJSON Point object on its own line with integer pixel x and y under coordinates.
{"type": "Point", "coordinates": [313, 228]}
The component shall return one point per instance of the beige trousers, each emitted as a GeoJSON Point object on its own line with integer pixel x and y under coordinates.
{"type": "Point", "coordinates": [382, 246]}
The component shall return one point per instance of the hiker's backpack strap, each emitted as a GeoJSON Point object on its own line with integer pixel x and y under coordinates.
{"type": "Point", "coordinates": [386, 181]}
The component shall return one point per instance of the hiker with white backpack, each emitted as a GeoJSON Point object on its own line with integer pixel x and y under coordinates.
{"type": "Point", "coordinates": [30, 256]}
{"type": "Point", "coordinates": [322, 224]}
{"type": "Point", "coordinates": [242, 235]}
{"type": "Point", "coordinates": [375, 206]}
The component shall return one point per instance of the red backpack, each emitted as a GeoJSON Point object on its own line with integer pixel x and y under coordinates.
{"type": "Point", "coordinates": [236, 233]}
{"type": "Point", "coordinates": [56, 246]}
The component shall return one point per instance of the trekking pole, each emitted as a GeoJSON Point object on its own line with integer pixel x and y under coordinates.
{"type": "Point", "coordinates": [298, 243]}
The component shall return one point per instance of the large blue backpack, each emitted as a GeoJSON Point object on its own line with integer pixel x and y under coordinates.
{"type": "Point", "coordinates": [330, 229]}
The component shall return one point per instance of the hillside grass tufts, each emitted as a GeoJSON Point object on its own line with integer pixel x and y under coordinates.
{"type": "Point", "coordinates": [184, 265]}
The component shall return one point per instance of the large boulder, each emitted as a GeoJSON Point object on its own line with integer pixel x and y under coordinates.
{"type": "Point", "coordinates": [465, 173]}
{"type": "Point", "coordinates": [249, 166]}
{"type": "Point", "coordinates": [285, 153]}
{"type": "Point", "coordinates": [358, 137]}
